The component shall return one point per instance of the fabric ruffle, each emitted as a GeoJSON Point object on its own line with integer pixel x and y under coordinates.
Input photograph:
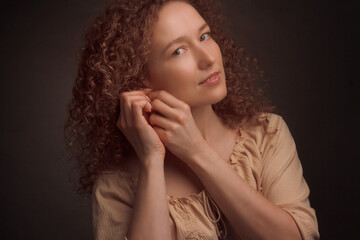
{"type": "Point", "coordinates": [260, 156]}
{"type": "Point", "coordinates": [246, 162]}
{"type": "Point", "coordinates": [245, 159]}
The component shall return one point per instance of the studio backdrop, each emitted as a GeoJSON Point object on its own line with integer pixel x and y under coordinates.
{"type": "Point", "coordinates": [306, 49]}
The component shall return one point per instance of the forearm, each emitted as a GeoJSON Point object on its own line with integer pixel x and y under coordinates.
{"type": "Point", "coordinates": [251, 215]}
{"type": "Point", "coordinates": [150, 218]}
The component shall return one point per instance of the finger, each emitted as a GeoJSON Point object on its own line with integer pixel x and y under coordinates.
{"type": "Point", "coordinates": [135, 98]}
{"type": "Point", "coordinates": [127, 102]}
{"type": "Point", "coordinates": [137, 112]}
{"type": "Point", "coordinates": [166, 97]}
{"type": "Point", "coordinates": [165, 110]}
{"type": "Point", "coordinates": [161, 133]}
{"type": "Point", "coordinates": [138, 92]}
{"type": "Point", "coordinates": [143, 92]}
{"type": "Point", "coordinates": [127, 105]}
{"type": "Point", "coordinates": [127, 111]}
{"type": "Point", "coordinates": [147, 107]}
{"type": "Point", "coordinates": [158, 120]}
{"type": "Point", "coordinates": [146, 92]}
{"type": "Point", "coordinates": [124, 112]}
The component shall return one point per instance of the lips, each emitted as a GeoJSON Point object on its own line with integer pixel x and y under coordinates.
{"type": "Point", "coordinates": [209, 77]}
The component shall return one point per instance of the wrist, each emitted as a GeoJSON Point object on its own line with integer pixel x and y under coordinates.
{"type": "Point", "coordinates": [152, 163]}
{"type": "Point", "coordinates": [203, 154]}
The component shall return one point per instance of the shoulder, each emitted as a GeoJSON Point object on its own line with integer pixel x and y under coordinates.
{"type": "Point", "coordinates": [266, 132]}
{"type": "Point", "coordinates": [262, 125]}
{"type": "Point", "coordinates": [122, 179]}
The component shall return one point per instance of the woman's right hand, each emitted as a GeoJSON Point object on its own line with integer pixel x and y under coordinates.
{"type": "Point", "coordinates": [133, 122]}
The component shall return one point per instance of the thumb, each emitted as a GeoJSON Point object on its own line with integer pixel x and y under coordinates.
{"type": "Point", "coordinates": [147, 90]}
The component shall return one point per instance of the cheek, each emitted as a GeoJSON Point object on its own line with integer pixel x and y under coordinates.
{"type": "Point", "coordinates": [172, 74]}
{"type": "Point", "coordinates": [218, 52]}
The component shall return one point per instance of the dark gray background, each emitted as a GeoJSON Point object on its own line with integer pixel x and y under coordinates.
{"type": "Point", "coordinates": [306, 48]}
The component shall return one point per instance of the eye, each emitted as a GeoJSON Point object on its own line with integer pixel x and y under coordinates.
{"type": "Point", "coordinates": [205, 36]}
{"type": "Point", "coordinates": [177, 52]}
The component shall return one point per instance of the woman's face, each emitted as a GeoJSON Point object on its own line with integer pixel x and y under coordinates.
{"type": "Point", "coordinates": [183, 54]}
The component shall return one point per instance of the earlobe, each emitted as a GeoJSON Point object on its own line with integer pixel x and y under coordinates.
{"type": "Point", "coordinates": [146, 82]}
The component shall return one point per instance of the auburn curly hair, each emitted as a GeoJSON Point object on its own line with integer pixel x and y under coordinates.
{"type": "Point", "coordinates": [113, 61]}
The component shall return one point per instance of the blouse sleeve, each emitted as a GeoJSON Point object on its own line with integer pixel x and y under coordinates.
{"type": "Point", "coordinates": [111, 207]}
{"type": "Point", "coordinates": [283, 182]}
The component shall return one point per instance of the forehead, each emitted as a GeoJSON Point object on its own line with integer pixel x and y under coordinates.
{"type": "Point", "coordinates": [176, 18]}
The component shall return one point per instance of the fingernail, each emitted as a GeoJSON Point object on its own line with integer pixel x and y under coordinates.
{"type": "Point", "coordinates": [150, 106]}
{"type": "Point", "coordinates": [148, 98]}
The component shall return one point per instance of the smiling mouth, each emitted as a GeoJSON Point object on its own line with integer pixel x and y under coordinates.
{"type": "Point", "coordinates": [210, 78]}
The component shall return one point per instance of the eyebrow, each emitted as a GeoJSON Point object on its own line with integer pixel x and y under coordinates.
{"type": "Point", "coordinates": [181, 38]}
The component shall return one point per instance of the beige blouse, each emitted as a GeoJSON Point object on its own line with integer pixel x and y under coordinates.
{"type": "Point", "coordinates": [264, 155]}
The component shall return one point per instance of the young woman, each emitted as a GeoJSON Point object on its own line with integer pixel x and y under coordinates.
{"type": "Point", "coordinates": [172, 138]}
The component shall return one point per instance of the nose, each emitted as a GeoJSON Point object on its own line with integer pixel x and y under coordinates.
{"type": "Point", "coordinates": [205, 56]}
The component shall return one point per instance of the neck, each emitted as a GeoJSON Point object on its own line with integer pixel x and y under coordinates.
{"type": "Point", "coordinates": [208, 123]}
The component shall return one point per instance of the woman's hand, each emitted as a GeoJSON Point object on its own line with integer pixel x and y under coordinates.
{"type": "Point", "coordinates": [173, 122]}
{"type": "Point", "coordinates": [133, 123]}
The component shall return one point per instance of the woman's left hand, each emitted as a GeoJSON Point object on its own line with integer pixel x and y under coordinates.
{"type": "Point", "coordinates": [176, 127]}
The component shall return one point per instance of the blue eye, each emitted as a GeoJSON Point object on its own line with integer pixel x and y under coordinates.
{"type": "Point", "coordinates": [202, 36]}
{"type": "Point", "coordinates": [177, 52]}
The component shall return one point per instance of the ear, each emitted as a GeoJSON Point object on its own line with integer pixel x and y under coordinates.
{"type": "Point", "coordinates": [147, 82]}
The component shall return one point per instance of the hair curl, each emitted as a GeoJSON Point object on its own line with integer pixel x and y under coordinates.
{"type": "Point", "coordinates": [113, 61]}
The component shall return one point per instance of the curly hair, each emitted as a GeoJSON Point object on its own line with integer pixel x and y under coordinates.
{"type": "Point", "coordinates": [114, 60]}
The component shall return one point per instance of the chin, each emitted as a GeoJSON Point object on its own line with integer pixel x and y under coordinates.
{"type": "Point", "coordinates": [220, 95]}
{"type": "Point", "coordinates": [214, 97]}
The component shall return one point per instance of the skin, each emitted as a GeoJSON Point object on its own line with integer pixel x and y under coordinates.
{"type": "Point", "coordinates": [175, 115]}
{"type": "Point", "coordinates": [180, 67]}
